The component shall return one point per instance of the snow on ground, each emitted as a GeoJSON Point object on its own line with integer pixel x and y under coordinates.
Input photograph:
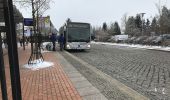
{"type": "Point", "coordinates": [135, 46]}
{"type": "Point", "coordinates": [38, 64]}
{"type": "Point", "coordinates": [44, 47]}
{"type": "Point", "coordinates": [44, 44]}
{"type": "Point", "coordinates": [44, 51]}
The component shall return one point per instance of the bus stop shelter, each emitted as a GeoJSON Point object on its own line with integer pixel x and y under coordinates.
{"type": "Point", "coordinates": [9, 16]}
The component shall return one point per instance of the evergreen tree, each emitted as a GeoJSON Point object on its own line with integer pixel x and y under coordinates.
{"type": "Point", "coordinates": [116, 30]}
{"type": "Point", "coordinates": [147, 23]}
{"type": "Point", "coordinates": [164, 21]}
{"type": "Point", "coordinates": [111, 29]}
{"type": "Point", "coordinates": [130, 27]}
{"type": "Point", "coordinates": [104, 26]}
{"type": "Point", "coordinates": [154, 26]}
{"type": "Point", "coordinates": [147, 27]}
{"type": "Point", "coordinates": [138, 21]}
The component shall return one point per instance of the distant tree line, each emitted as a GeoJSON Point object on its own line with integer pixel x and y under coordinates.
{"type": "Point", "coordinates": [106, 31]}
{"type": "Point", "coordinates": [157, 26]}
{"type": "Point", "coordinates": [136, 26]}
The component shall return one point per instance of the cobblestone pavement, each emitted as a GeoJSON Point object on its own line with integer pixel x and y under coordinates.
{"type": "Point", "coordinates": [105, 87]}
{"type": "Point", "coordinates": [146, 71]}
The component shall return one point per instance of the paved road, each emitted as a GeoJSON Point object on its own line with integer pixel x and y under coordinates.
{"type": "Point", "coordinates": [146, 71]}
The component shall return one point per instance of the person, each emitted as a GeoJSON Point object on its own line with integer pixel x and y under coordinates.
{"type": "Point", "coordinates": [53, 39]}
{"type": "Point", "coordinates": [26, 39]}
{"type": "Point", "coordinates": [20, 41]}
{"type": "Point", "coordinates": [39, 41]}
{"type": "Point", "coordinates": [5, 42]}
{"type": "Point", "coordinates": [61, 41]}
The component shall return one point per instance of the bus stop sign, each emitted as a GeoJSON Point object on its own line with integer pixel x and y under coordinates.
{"type": "Point", "coordinates": [28, 21]}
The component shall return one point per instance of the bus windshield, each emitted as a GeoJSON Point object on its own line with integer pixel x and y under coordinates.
{"type": "Point", "coordinates": [78, 35]}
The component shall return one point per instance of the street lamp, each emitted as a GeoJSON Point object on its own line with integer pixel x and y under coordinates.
{"type": "Point", "coordinates": [142, 14]}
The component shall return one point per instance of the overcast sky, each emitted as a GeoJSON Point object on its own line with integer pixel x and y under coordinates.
{"type": "Point", "coordinates": [98, 11]}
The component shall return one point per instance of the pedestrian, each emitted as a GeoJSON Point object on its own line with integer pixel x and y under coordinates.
{"type": "Point", "coordinates": [53, 39]}
{"type": "Point", "coordinates": [40, 41]}
{"type": "Point", "coordinates": [61, 41]}
{"type": "Point", "coordinates": [5, 42]}
{"type": "Point", "coordinates": [20, 41]}
{"type": "Point", "coordinates": [26, 40]}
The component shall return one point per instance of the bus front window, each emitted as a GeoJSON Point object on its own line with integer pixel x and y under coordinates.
{"type": "Point", "coordinates": [78, 35]}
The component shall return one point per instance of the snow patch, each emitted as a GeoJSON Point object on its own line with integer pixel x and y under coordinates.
{"type": "Point", "coordinates": [163, 91]}
{"type": "Point", "coordinates": [136, 46]}
{"type": "Point", "coordinates": [45, 51]}
{"type": "Point", "coordinates": [39, 65]}
{"type": "Point", "coordinates": [44, 44]}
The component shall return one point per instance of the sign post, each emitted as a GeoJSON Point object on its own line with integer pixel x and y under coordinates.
{"type": "Point", "coordinates": [2, 72]}
{"type": "Point", "coordinates": [26, 22]}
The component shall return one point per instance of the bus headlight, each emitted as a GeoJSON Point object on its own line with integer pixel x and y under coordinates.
{"type": "Point", "coordinates": [88, 45]}
{"type": "Point", "coordinates": [68, 46]}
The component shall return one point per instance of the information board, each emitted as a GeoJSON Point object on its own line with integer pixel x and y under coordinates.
{"type": "Point", "coordinates": [28, 21]}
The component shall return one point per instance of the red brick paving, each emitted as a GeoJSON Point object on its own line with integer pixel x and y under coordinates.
{"type": "Point", "coordinates": [45, 84]}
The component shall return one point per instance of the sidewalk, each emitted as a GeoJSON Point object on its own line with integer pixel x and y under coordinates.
{"type": "Point", "coordinates": [44, 84]}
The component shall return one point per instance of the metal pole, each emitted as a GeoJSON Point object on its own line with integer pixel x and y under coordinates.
{"type": "Point", "coordinates": [2, 73]}
{"type": "Point", "coordinates": [142, 22]}
{"type": "Point", "coordinates": [33, 31]}
{"type": "Point", "coordinates": [23, 35]}
{"type": "Point", "coordinates": [12, 50]}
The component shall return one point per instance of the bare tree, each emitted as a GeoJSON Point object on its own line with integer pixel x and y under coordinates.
{"type": "Point", "coordinates": [38, 8]}
{"type": "Point", "coordinates": [123, 22]}
{"type": "Point", "coordinates": [39, 5]}
{"type": "Point", "coordinates": [159, 8]}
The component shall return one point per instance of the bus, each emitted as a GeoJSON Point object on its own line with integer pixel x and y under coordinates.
{"type": "Point", "coordinates": [77, 36]}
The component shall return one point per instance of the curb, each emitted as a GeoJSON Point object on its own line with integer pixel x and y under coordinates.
{"type": "Point", "coordinates": [86, 90]}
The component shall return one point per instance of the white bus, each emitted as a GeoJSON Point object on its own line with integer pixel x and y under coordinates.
{"type": "Point", "coordinates": [77, 36]}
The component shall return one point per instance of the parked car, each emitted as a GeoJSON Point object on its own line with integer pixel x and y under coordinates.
{"type": "Point", "coordinates": [139, 39]}
{"type": "Point", "coordinates": [166, 40]}
{"type": "Point", "coordinates": [130, 40]}
{"type": "Point", "coordinates": [148, 40]}
{"type": "Point", "coordinates": [157, 41]}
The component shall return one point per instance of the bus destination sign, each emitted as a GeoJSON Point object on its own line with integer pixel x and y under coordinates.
{"type": "Point", "coordinates": [78, 25]}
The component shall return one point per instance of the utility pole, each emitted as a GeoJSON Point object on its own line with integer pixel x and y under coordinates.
{"type": "Point", "coordinates": [142, 14]}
